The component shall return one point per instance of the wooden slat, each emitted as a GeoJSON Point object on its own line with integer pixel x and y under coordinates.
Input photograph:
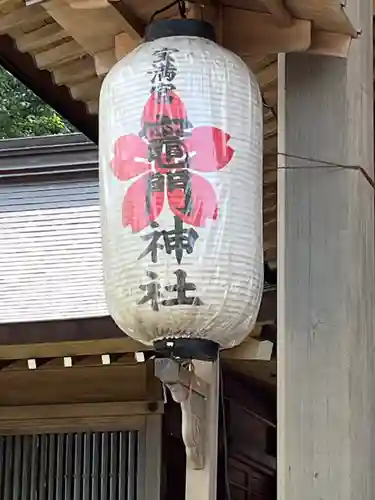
{"type": "Point", "coordinates": [269, 230]}
{"type": "Point", "coordinates": [270, 96]}
{"type": "Point", "coordinates": [41, 38]}
{"type": "Point", "coordinates": [30, 24]}
{"type": "Point", "coordinates": [66, 52]}
{"type": "Point", "coordinates": [71, 425]}
{"type": "Point", "coordinates": [87, 4]}
{"type": "Point", "coordinates": [49, 235]}
{"type": "Point", "coordinates": [20, 16]}
{"type": "Point", "coordinates": [267, 76]}
{"type": "Point", "coordinates": [270, 144]}
{"type": "Point", "coordinates": [87, 90]}
{"type": "Point", "coordinates": [270, 214]}
{"type": "Point", "coordinates": [268, 114]}
{"type": "Point", "coordinates": [104, 61]}
{"type": "Point", "coordinates": [270, 177]}
{"type": "Point", "coordinates": [74, 72]}
{"type": "Point", "coordinates": [258, 62]}
{"type": "Point", "coordinates": [270, 128]}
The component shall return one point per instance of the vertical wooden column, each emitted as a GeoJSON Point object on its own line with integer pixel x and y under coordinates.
{"type": "Point", "coordinates": [326, 285]}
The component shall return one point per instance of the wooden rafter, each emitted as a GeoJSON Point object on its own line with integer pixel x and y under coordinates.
{"type": "Point", "coordinates": [41, 82]}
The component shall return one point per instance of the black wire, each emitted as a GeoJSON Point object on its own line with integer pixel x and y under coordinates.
{"type": "Point", "coordinates": [181, 7]}
{"type": "Point", "coordinates": [318, 163]}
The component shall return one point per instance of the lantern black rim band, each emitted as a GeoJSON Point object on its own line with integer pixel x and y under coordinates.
{"type": "Point", "coordinates": [186, 348]}
{"type": "Point", "coordinates": [163, 28]}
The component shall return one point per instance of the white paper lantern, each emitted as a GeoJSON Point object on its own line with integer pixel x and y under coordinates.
{"type": "Point", "coordinates": [181, 191]}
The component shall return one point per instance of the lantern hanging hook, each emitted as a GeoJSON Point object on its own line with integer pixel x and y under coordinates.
{"type": "Point", "coordinates": [182, 8]}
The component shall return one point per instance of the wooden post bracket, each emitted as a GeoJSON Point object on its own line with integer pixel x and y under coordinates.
{"type": "Point", "coordinates": [192, 394]}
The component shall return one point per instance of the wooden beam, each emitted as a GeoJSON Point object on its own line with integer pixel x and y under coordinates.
{"type": "Point", "coordinates": [251, 349]}
{"type": "Point", "coordinates": [127, 408]}
{"type": "Point", "coordinates": [124, 44]}
{"type": "Point", "coordinates": [246, 32]}
{"type": "Point", "coordinates": [101, 416]}
{"type": "Point", "coordinates": [78, 348]}
{"type": "Point", "coordinates": [202, 484]}
{"type": "Point", "coordinates": [279, 12]}
{"type": "Point", "coordinates": [326, 286]}
{"type": "Point", "coordinates": [132, 24]}
{"type": "Point", "coordinates": [82, 384]}
{"type": "Point", "coordinates": [63, 53]}
{"type": "Point", "coordinates": [327, 15]}
{"type": "Point", "coordinates": [330, 44]}
{"type": "Point", "coordinates": [24, 336]}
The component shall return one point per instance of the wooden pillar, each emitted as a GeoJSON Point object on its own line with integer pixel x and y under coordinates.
{"type": "Point", "coordinates": [326, 285]}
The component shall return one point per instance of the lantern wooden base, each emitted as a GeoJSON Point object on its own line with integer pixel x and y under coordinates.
{"type": "Point", "coordinates": [187, 349]}
{"type": "Point", "coordinates": [197, 391]}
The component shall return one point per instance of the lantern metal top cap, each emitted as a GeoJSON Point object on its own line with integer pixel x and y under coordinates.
{"type": "Point", "coordinates": [163, 28]}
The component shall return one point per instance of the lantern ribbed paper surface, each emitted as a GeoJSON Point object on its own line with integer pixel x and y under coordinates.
{"type": "Point", "coordinates": [181, 192]}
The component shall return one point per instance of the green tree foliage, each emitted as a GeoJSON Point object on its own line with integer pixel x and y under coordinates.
{"type": "Point", "coordinates": [23, 114]}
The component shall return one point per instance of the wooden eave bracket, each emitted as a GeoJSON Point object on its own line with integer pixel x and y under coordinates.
{"type": "Point", "coordinates": [288, 26]}
{"type": "Point", "coordinates": [192, 394]}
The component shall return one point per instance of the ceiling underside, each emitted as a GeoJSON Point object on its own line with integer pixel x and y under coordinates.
{"type": "Point", "coordinates": [62, 49]}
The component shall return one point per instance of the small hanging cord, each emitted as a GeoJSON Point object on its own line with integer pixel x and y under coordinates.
{"type": "Point", "coordinates": [165, 393]}
{"type": "Point", "coordinates": [189, 366]}
{"type": "Point", "coordinates": [181, 7]}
